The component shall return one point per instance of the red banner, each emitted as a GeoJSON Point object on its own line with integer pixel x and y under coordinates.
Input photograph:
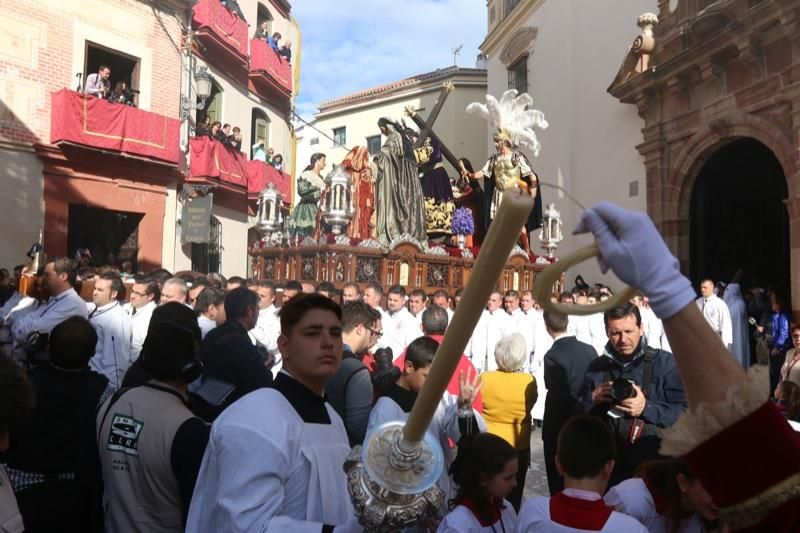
{"type": "Point", "coordinates": [260, 174]}
{"type": "Point", "coordinates": [211, 14]}
{"type": "Point", "coordinates": [263, 57]}
{"type": "Point", "coordinates": [97, 123]}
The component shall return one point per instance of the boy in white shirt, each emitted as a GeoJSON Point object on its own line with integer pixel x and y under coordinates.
{"type": "Point", "coordinates": [585, 458]}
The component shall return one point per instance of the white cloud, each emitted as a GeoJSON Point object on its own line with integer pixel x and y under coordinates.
{"type": "Point", "coordinates": [350, 45]}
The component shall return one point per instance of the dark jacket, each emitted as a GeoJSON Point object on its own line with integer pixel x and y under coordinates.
{"type": "Point", "coordinates": [666, 400]}
{"type": "Point", "coordinates": [565, 366]}
{"type": "Point", "coordinates": [229, 355]}
{"type": "Point", "coordinates": [349, 392]}
{"type": "Point", "coordinates": [58, 438]}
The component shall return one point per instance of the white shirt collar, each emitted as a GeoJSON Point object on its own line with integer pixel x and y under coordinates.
{"type": "Point", "coordinates": [579, 494]}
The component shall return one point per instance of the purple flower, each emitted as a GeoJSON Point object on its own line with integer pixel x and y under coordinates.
{"type": "Point", "coordinates": [462, 222]}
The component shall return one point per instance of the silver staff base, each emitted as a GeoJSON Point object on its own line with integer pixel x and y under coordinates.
{"type": "Point", "coordinates": [392, 482]}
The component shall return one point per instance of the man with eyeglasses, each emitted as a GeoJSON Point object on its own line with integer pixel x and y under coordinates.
{"type": "Point", "coordinates": [144, 295]}
{"type": "Point", "coordinates": [350, 390]}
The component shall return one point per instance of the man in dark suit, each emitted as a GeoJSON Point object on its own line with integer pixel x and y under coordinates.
{"type": "Point", "coordinates": [565, 366]}
{"type": "Point", "coordinates": [227, 352]}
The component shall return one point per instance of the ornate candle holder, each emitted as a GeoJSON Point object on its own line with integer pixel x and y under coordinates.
{"type": "Point", "coordinates": [269, 219]}
{"type": "Point", "coordinates": [550, 235]}
{"type": "Point", "coordinates": [337, 206]}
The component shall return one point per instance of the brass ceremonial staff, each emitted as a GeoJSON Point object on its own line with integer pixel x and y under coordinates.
{"type": "Point", "coordinates": [392, 478]}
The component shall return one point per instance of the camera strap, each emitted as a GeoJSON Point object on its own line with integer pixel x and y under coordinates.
{"type": "Point", "coordinates": [637, 424]}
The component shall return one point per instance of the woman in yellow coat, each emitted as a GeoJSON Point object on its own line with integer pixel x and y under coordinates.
{"type": "Point", "coordinates": [508, 397]}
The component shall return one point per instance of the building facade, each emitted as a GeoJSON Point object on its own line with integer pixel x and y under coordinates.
{"type": "Point", "coordinates": [348, 121]}
{"type": "Point", "coordinates": [108, 176]}
{"type": "Point", "coordinates": [561, 52]}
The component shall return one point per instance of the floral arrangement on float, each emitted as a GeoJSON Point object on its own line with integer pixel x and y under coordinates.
{"type": "Point", "coordinates": [462, 226]}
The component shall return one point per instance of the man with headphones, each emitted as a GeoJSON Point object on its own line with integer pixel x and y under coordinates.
{"type": "Point", "coordinates": [150, 444]}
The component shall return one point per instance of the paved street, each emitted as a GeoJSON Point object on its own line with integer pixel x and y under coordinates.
{"type": "Point", "coordinates": [536, 480]}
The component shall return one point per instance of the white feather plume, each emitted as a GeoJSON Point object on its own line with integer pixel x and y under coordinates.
{"type": "Point", "coordinates": [512, 113]}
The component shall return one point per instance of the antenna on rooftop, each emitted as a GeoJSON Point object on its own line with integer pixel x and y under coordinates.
{"type": "Point", "coordinates": [456, 52]}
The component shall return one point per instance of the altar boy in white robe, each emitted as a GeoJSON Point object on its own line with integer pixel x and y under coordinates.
{"type": "Point", "coordinates": [454, 416]}
{"type": "Point", "coordinates": [274, 458]}
{"type": "Point", "coordinates": [585, 458]}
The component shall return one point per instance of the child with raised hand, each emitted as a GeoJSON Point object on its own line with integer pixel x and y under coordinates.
{"type": "Point", "coordinates": [485, 470]}
{"type": "Point", "coordinates": [585, 458]}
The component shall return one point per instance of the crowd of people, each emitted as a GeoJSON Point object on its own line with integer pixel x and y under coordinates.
{"type": "Point", "coordinates": [199, 403]}
{"type": "Point", "coordinates": [231, 139]}
{"type": "Point", "coordinates": [283, 49]}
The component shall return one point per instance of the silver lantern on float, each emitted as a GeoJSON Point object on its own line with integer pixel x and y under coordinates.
{"type": "Point", "coordinates": [550, 234]}
{"type": "Point", "coordinates": [337, 204]}
{"type": "Point", "coordinates": [269, 219]}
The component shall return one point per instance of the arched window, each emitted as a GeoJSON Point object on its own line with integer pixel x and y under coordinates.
{"type": "Point", "coordinates": [259, 129]}
{"type": "Point", "coordinates": [213, 106]}
{"type": "Point", "coordinates": [264, 14]}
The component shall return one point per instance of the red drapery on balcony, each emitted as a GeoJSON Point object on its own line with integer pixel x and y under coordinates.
{"type": "Point", "coordinates": [263, 57]}
{"type": "Point", "coordinates": [260, 174]}
{"type": "Point", "coordinates": [96, 123]}
{"type": "Point", "coordinates": [212, 15]}
{"type": "Point", "coordinates": [211, 159]}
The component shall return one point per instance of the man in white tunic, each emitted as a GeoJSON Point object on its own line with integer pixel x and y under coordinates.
{"type": "Point", "coordinates": [145, 295]}
{"type": "Point", "coordinates": [493, 325]}
{"type": "Point", "coordinates": [210, 308]}
{"type": "Point", "coordinates": [112, 357]}
{"type": "Point", "coordinates": [274, 461]}
{"type": "Point", "coordinates": [399, 325]}
{"type": "Point", "coordinates": [535, 332]}
{"type": "Point", "coordinates": [268, 325]}
{"type": "Point", "coordinates": [64, 302]}
{"type": "Point", "coordinates": [715, 312]}
{"type": "Point", "coordinates": [417, 301]}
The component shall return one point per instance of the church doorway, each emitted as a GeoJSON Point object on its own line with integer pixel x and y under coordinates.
{"type": "Point", "coordinates": [111, 236]}
{"type": "Point", "coordinates": [737, 217]}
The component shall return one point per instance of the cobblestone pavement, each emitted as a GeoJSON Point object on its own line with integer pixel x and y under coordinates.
{"type": "Point", "coordinates": [536, 480]}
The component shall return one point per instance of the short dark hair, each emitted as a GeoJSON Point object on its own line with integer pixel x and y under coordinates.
{"type": "Point", "coordinates": [351, 284]}
{"type": "Point", "coordinates": [72, 343]}
{"type": "Point", "coordinates": [326, 286]}
{"type": "Point", "coordinates": [101, 68]}
{"type": "Point", "coordinates": [397, 289]}
{"type": "Point", "coordinates": [116, 284]}
{"type": "Point", "coordinates": [512, 293]}
{"type": "Point", "coordinates": [65, 265]}
{"type": "Point", "coordinates": [173, 338]}
{"type": "Point", "coordinates": [293, 285]}
{"type": "Point", "coordinates": [557, 322]}
{"type": "Point", "coordinates": [585, 445]}
{"type": "Point", "coordinates": [161, 275]}
{"type": "Point", "coordinates": [238, 301]}
{"type": "Point", "coordinates": [238, 280]}
{"type": "Point", "coordinates": [16, 393]}
{"type": "Point", "coordinates": [621, 311]}
{"type": "Point", "coordinates": [566, 294]}
{"type": "Point", "coordinates": [421, 351]}
{"type": "Point", "coordinates": [151, 286]}
{"type": "Point", "coordinates": [434, 320]}
{"type": "Point", "coordinates": [210, 296]}
{"type": "Point", "coordinates": [217, 279]}
{"type": "Point", "coordinates": [422, 294]}
{"type": "Point", "coordinates": [295, 309]}
{"type": "Point", "coordinates": [375, 287]}
{"type": "Point", "coordinates": [262, 283]}
{"type": "Point", "coordinates": [358, 313]}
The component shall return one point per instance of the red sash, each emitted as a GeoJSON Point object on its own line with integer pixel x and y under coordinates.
{"type": "Point", "coordinates": [485, 521]}
{"type": "Point", "coordinates": [579, 514]}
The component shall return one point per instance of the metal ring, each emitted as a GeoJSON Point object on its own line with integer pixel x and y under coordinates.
{"type": "Point", "coordinates": [547, 278]}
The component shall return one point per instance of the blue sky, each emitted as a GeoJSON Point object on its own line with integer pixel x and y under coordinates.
{"type": "Point", "coordinates": [349, 45]}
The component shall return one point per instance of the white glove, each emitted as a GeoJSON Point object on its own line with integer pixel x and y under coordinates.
{"type": "Point", "coordinates": [632, 247]}
{"type": "Point", "coordinates": [351, 526]}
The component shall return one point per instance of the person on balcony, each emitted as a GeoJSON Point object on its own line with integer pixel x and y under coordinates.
{"type": "Point", "coordinates": [286, 50]}
{"type": "Point", "coordinates": [204, 128]}
{"type": "Point", "coordinates": [273, 42]}
{"type": "Point", "coordinates": [215, 131]}
{"type": "Point", "coordinates": [97, 84]}
{"type": "Point", "coordinates": [262, 32]}
{"type": "Point", "coordinates": [234, 141]}
{"type": "Point", "coordinates": [258, 151]}
{"type": "Point", "coordinates": [122, 94]}
{"type": "Point", "coordinates": [277, 162]}
{"type": "Point", "coordinates": [223, 134]}
{"type": "Point", "coordinates": [233, 7]}
{"type": "Point", "coordinates": [309, 187]}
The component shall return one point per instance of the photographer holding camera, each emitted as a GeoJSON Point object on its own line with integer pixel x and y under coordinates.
{"type": "Point", "coordinates": [635, 388]}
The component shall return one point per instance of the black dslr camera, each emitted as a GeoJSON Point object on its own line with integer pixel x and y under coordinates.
{"type": "Point", "coordinates": [622, 389]}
